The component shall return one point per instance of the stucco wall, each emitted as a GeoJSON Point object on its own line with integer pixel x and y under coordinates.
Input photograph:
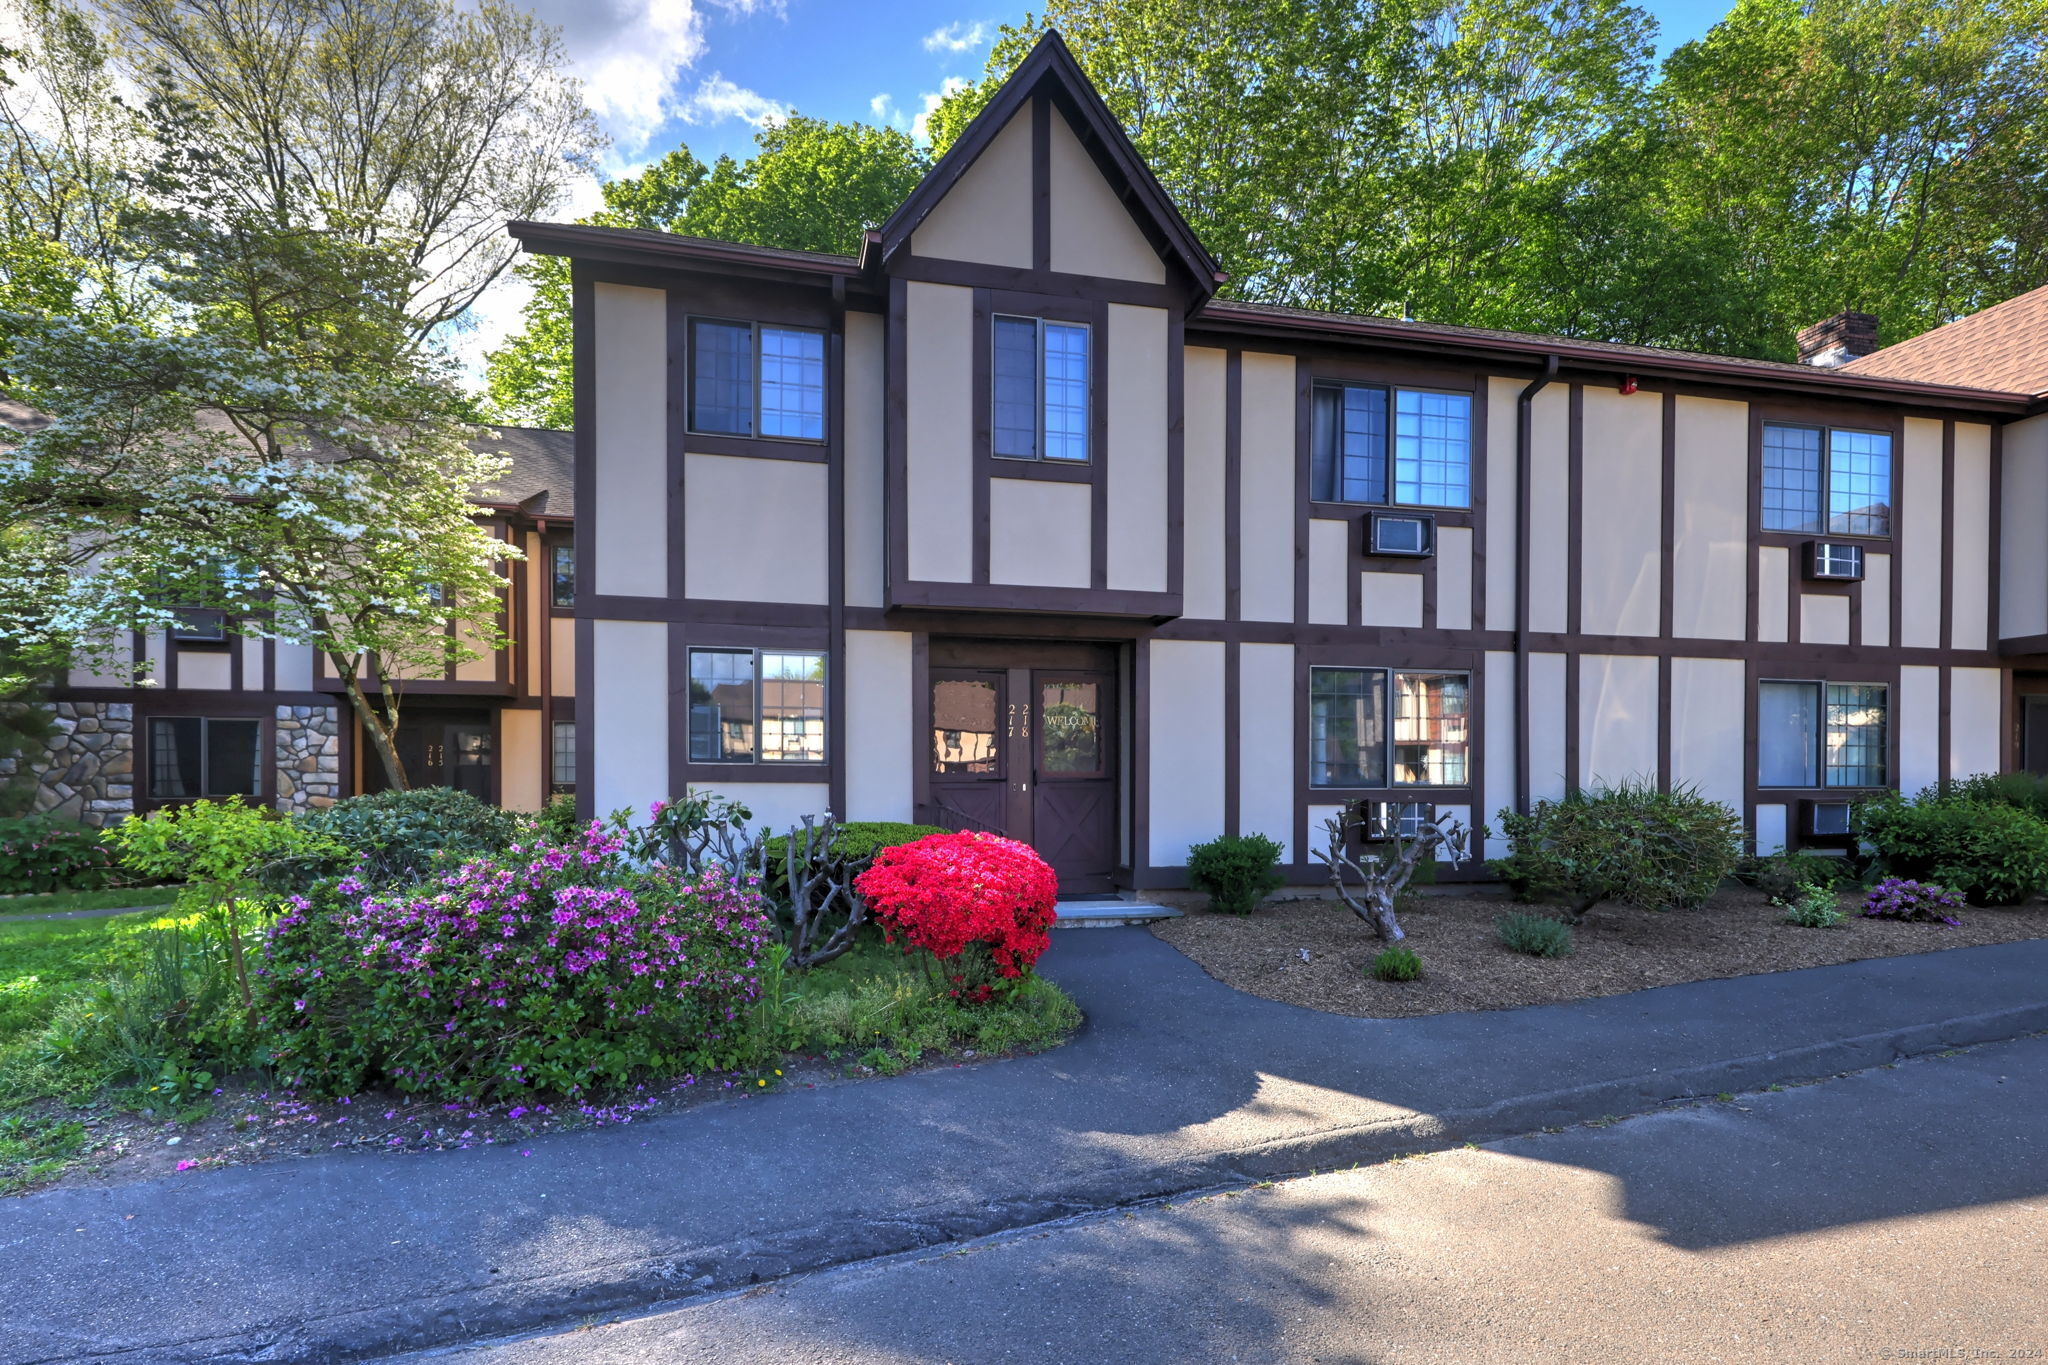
{"type": "Point", "coordinates": [1266, 489]}
{"type": "Point", "coordinates": [1039, 533]}
{"type": "Point", "coordinates": [1186, 746]}
{"type": "Point", "coordinates": [866, 546]}
{"type": "Point", "coordinates": [939, 431]}
{"type": "Point", "coordinates": [629, 434]}
{"type": "Point", "coordinates": [1136, 416]}
{"type": "Point", "coordinates": [2023, 546]}
{"type": "Point", "coordinates": [1621, 559]}
{"type": "Point", "coordinates": [1708, 699]}
{"type": "Point", "coordinates": [754, 530]}
{"type": "Point", "coordinates": [879, 743]}
{"type": "Point", "coordinates": [1617, 719]}
{"type": "Point", "coordinates": [523, 759]}
{"type": "Point", "coordinates": [986, 216]}
{"type": "Point", "coordinates": [1267, 776]}
{"type": "Point", "coordinates": [629, 706]}
{"type": "Point", "coordinates": [1710, 547]}
{"type": "Point", "coordinates": [1970, 538]}
{"type": "Point", "coordinates": [1092, 232]}
{"type": "Point", "coordinates": [1922, 537]}
{"type": "Point", "coordinates": [1204, 407]}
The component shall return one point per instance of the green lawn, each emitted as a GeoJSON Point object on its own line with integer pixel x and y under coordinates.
{"type": "Point", "coordinates": [55, 902]}
{"type": "Point", "coordinates": [54, 1006]}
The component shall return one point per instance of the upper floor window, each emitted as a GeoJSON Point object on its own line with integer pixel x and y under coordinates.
{"type": "Point", "coordinates": [562, 575]}
{"type": "Point", "coordinates": [1812, 734]}
{"type": "Point", "coordinates": [1827, 481]}
{"type": "Point", "coordinates": [1353, 744]}
{"type": "Point", "coordinates": [765, 706]}
{"type": "Point", "coordinates": [1406, 446]}
{"type": "Point", "coordinates": [749, 379]}
{"type": "Point", "coordinates": [1041, 389]}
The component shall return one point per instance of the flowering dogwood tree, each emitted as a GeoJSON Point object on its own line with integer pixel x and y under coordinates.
{"type": "Point", "coordinates": [310, 505]}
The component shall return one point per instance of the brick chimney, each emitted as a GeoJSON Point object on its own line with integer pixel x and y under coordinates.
{"type": "Point", "coordinates": [1848, 335]}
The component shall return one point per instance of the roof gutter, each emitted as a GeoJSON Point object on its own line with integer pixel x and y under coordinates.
{"type": "Point", "coordinates": [1525, 439]}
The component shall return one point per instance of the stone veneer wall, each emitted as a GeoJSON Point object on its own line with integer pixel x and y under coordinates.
{"type": "Point", "coordinates": [308, 757]}
{"type": "Point", "coordinates": [86, 771]}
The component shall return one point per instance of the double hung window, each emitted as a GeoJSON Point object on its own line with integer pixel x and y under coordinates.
{"type": "Point", "coordinates": [1040, 390]}
{"type": "Point", "coordinates": [752, 379]}
{"type": "Point", "coordinates": [1827, 481]}
{"type": "Point", "coordinates": [1379, 727]}
{"type": "Point", "coordinates": [1813, 734]}
{"type": "Point", "coordinates": [757, 706]}
{"type": "Point", "coordinates": [562, 759]}
{"type": "Point", "coordinates": [1402, 447]}
{"type": "Point", "coordinates": [195, 756]}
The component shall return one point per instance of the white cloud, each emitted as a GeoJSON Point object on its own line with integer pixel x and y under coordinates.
{"type": "Point", "coordinates": [631, 55]}
{"type": "Point", "coordinates": [958, 36]}
{"type": "Point", "coordinates": [718, 99]}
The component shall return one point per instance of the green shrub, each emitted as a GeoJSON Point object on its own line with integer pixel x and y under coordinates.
{"type": "Point", "coordinates": [1536, 935]}
{"type": "Point", "coordinates": [1398, 963]}
{"type": "Point", "coordinates": [556, 822]}
{"type": "Point", "coordinates": [1994, 853]}
{"type": "Point", "coordinates": [1812, 907]}
{"type": "Point", "coordinates": [2021, 791]}
{"type": "Point", "coordinates": [1237, 871]}
{"type": "Point", "coordinates": [40, 853]}
{"type": "Point", "coordinates": [395, 837]}
{"type": "Point", "coordinates": [1781, 875]}
{"type": "Point", "coordinates": [1651, 849]}
{"type": "Point", "coordinates": [858, 843]}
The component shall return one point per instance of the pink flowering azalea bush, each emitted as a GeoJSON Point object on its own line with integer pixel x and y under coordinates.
{"type": "Point", "coordinates": [548, 969]}
{"type": "Point", "coordinates": [979, 904]}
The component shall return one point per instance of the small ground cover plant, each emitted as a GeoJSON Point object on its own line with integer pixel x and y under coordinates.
{"type": "Point", "coordinates": [1900, 898]}
{"type": "Point", "coordinates": [1236, 871]}
{"type": "Point", "coordinates": [1811, 906]}
{"type": "Point", "coordinates": [1536, 935]}
{"type": "Point", "coordinates": [1398, 963]}
{"type": "Point", "coordinates": [1655, 850]}
{"type": "Point", "coordinates": [980, 905]}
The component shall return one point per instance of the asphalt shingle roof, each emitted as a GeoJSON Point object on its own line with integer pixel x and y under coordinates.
{"type": "Point", "coordinates": [2003, 347]}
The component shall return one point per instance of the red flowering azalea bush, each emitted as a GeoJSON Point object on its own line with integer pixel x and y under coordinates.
{"type": "Point", "coordinates": [549, 969]}
{"type": "Point", "coordinates": [979, 903]}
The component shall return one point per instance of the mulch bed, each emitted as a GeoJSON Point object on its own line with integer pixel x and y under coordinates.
{"type": "Point", "coordinates": [1616, 950]}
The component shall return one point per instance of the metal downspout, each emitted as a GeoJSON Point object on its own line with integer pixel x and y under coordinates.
{"type": "Point", "coordinates": [1524, 500]}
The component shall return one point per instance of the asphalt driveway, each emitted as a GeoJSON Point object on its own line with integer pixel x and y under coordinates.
{"type": "Point", "coordinates": [1177, 1083]}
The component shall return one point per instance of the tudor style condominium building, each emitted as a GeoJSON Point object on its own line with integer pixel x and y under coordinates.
{"type": "Point", "coordinates": [1010, 523]}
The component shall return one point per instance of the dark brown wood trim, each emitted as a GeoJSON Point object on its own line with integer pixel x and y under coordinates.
{"type": "Point", "coordinates": [1176, 454]}
{"type": "Point", "coordinates": [1574, 661]}
{"type": "Point", "coordinates": [1049, 285]}
{"type": "Point", "coordinates": [835, 553]}
{"type": "Point", "coordinates": [1098, 447]}
{"type": "Point", "coordinates": [751, 447]}
{"type": "Point", "coordinates": [1232, 737]}
{"type": "Point", "coordinates": [1304, 436]}
{"type": "Point", "coordinates": [982, 429]}
{"type": "Point", "coordinates": [895, 449]}
{"type": "Point", "coordinates": [1041, 186]}
{"type": "Point", "coordinates": [1575, 532]}
{"type": "Point", "coordinates": [584, 335]}
{"type": "Point", "coordinates": [1948, 588]}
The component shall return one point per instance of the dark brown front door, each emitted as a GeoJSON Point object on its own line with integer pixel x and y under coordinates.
{"type": "Point", "coordinates": [1024, 742]}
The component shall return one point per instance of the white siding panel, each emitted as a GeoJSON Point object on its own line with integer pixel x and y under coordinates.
{"type": "Point", "coordinates": [1621, 555]}
{"type": "Point", "coordinates": [1266, 778]}
{"type": "Point", "coordinates": [1973, 728]}
{"type": "Point", "coordinates": [1389, 599]}
{"type": "Point", "coordinates": [1136, 551]}
{"type": "Point", "coordinates": [1329, 572]}
{"type": "Point", "coordinates": [1497, 738]}
{"type": "Point", "coordinates": [1917, 713]}
{"type": "Point", "coordinates": [1266, 489]}
{"type": "Point", "coordinates": [1039, 533]}
{"type": "Point", "coordinates": [1970, 540]}
{"type": "Point", "coordinates": [1710, 490]}
{"type": "Point", "coordinates": [939, 431]}
{"type": "Point", "coordinates": [207, 670]}
{"type": "Point", "coordinates": [1823, 619]}
{"type": "Point", "coordinates": [1454, 578]}
{"type": "Point", "coordinates": [754, 530]}
{"type": "Point", "coordinates": [1770, 829]}
{"type": "Point", "coordinates": [629, 699]}
{"type": "Point", "coordinates": [986, 216]}
{"type": "Point", "coordinates": [1502, 397]}
{"type": "Point", "coordinates": [1549, 510]}
{"type": "Point", "coordinates": [1617, 718]}
{"type": "Point", "coordinates": [1546, 725]}
{"type": "Point", "coordinates": [779, 806]}
{"type": "Point", "coordinates": [1203, 536]}
{"type": "Point", "coordinates": [294, 667]}
{"type": "Point", "coordinates": [1920, 534]}
{"type": "Point", "coordinates": [866, 552]}
{"type": "Point", "coordinates": [879, 744]}
{"type": "Point", "coordinates": [1877, 600]}
{"type": "Point", "coordinates": [1708, 747]}
{"type": "Point", "coordinates": [1773, 574]}
{"type": "Point", "coordinates": [2023, 548]}
{"type": "Point", "coordinates": [1186, 743]}
{"type": "Point", "coordinates": [1092, 232]}
{"type": "Point", "coordinates": [629, 392]}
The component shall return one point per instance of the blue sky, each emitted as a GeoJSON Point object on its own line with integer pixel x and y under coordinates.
{"type": "Point", "coordinates": [708, 72]}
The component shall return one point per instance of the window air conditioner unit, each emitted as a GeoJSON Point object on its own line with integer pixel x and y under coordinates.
{"type": "Point", "coordinates": [1825, 819]}
{"type": "Point", "coordinates": [1834, 561]}
{"type": "Point", "coordinates": [1386, 820]}
{"type": "Point", "coordinates": [1406, 534]}
{"type": "Point", "coordinates": [200, 625]}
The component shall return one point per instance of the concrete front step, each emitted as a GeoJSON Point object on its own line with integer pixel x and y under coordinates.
{"type": "Point", "coordinates": [1109, 914]}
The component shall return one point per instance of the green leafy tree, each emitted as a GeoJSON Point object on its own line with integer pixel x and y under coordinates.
{"type": "Point", "coordinates": [810, 186]}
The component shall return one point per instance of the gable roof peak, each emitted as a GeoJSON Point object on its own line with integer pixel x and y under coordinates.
{"type": "Point", "coordinates": [1051, 70]}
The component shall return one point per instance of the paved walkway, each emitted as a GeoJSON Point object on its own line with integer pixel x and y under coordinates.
{"type": "Point", "coordinates": [1176, 1083]}
{"type": "Point", "coordinates": [1737, 1232]}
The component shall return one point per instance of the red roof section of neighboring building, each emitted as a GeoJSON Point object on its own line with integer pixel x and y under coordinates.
{"type": "Point", "coordinates": [2003, 347]}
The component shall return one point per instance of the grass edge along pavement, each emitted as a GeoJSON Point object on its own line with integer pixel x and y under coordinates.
{"type": "Point", "coordinates": [1708, 1038]}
